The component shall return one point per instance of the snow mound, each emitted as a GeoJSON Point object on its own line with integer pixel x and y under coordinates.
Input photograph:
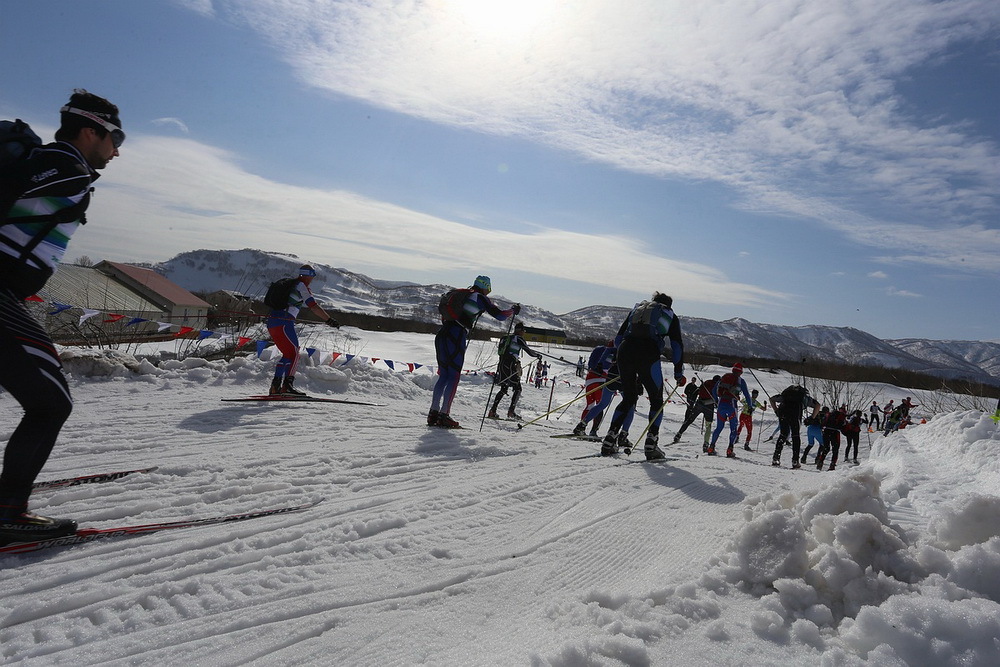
{"type": "Point", "coordinates": [830, 569]}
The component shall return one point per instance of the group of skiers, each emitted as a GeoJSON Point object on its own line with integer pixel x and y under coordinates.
{"type": "Point", "coordinates": [893, 417]}
{"type": "Point", "coordinates": [650, 328]}
{"type": "Point", "coordinates": [628, 365]}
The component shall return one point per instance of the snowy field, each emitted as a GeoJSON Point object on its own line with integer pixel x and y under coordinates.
{"type": "Point", "coordinates": [490, 547]}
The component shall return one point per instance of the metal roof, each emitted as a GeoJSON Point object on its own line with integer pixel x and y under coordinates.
{"type": "Point", "coordinates": [155, 285]}
{"type": "Point", "coordinates": [86, 287]}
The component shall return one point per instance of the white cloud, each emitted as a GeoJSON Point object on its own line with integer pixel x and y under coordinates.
{"type": "Point", "coordinates": [188, 195]}
{"type": "Point", "coordinates": [791, 103]}
{"type": "Point", "coordinates": [173, 122]}
{"type": "Point", "coordinates": [880, 275]}
{"type": "Point", "coordinates": [892, 291]}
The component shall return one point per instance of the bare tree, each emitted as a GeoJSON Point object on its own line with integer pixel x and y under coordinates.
{"type": "Point", "coordinates": [855, 395]}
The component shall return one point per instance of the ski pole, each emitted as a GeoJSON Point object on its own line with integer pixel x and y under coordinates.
{"type": "Point", "coordinates": [654, 416]}
{"type": "Point", "coordinates": [559, 359]}
{"type": "Point", "coordinates": [539, 417]}
{"type": "Point", "coordinates": [567, 405]}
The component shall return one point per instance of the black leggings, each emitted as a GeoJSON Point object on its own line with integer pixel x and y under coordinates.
{"type": "Point", "coordinates": [639, 364]}
{"type": "Point", "coordinates": [508, 375]}
{"type": "Point", "coordinates": [852, 440]}
{"type": "Point", "coordinates": [30, 370]}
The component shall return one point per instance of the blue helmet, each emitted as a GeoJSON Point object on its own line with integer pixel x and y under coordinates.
{"type": "Point", "coordinates": [483, 283]}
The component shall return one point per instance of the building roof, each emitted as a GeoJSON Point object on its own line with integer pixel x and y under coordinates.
{"type": "Point", "coordinates": [538, 331]}
{"type": "Point", "coordinates": [157, 285]}
{"type": "Point", "coordinates": [86, 287]}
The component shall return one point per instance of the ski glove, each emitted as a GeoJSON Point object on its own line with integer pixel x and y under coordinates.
{"type": "Point", "coordinates": [681, 380]}
{"type": "Point", "coordinates": [333, 323]}
{"type": "Point", "coordinates": [516, 308]}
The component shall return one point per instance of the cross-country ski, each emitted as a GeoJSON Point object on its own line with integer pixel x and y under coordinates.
{"type": "Point", "coordinates": [84, 535]}
{"type": "Point", "coordinates": [95, 478]}
{"type": "Point", "coordinates": [283, 398]}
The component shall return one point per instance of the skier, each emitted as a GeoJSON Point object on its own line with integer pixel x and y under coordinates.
{"type": "Point", "coordinates": [814, 432]}
{"type": "Point", "coordinates": [460, 309]}
{"type": "Point", "coordinates": [788, 405]}
{"type": "Point", "coordinates": [875, 415]}
{"type": "Point", "coordinates": [607, 393]}
{"type": "Point", "coordinates": [832, 428]}
{"type": "Point", "coordinates": [281, 326]}
{"type": "Point", "coordinates": [704, 406]}
{"type": "Point", "coordinates": [45, 197]}
{"type": "Point", "coordinates": [892, 422]}
{"type": "Point", "coordinates": [727, 394]}
{"type": "Point", "coordinates": [509, 369]}
{"type": "Point", "coordinates": [887, 411]}
{"type": "Point", "coordinates": [746, 417]}
{"type": "Point", "coordinates": [852, 434]}
{"type": "Point", "coordinates": [596, 383]}
{"type": "Point", "coordinates": [644, 334]}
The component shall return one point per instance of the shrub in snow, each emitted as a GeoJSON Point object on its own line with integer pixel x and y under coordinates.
{"type": "Point", "coordinates": [85, 362]}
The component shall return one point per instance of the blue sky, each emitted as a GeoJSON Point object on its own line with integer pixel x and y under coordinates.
{"type": "Point", "coordinates": [791, 162]}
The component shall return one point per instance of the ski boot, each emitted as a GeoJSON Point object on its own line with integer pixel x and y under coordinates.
{"type": "Point", "coordinates": [445, 421]}
{"type": "Point", "coordinates": [17, 524]}
{"type": "Point", "coordinates": [652, 451]}
{"type": "Point", "coordinates": [288, 387]}
{"type": "Point", "coordinates": [624, 443]}
{"type": "Point", "coordinates": [609, 445]}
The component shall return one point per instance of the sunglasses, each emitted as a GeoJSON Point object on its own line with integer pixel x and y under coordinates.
{"type": "Point", "coordinates": [117, 134]}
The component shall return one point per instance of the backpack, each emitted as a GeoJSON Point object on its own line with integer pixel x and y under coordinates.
{"type": "Point", "coordinates": [504, 345]}
{"type": "Point", "coordinates": [452, 304]}
{"type": "Point", "coordinates": [791, 399]}
{"type": "Point", "coordinates": [728, 387]}
{"type": "Point", "coordinates": [17, 140]}
{"type": "Point", "coordinates": [641, 319]}
{"type": "Point", "coordinates": [278, 292]}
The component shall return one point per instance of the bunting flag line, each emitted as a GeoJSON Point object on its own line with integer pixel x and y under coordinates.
{"type": "Point", "coordinates": [241, 341]}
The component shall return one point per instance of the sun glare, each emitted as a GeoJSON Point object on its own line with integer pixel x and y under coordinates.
{"type": "Point", "coordinates": [500, 19]}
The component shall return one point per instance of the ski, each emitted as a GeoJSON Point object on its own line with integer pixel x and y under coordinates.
{"type": "Point", "coordinates": [291, 398]}
{"type": "Point", "coordinates": [99, 478]}
{"type": "Point", "coordinates": [669, 459]}
{"type": "Point", "coordinates": [571, 436]}
{"type": "Point", "coordinates": [84, 535]}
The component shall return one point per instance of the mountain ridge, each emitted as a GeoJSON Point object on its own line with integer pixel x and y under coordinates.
{"type": "Point", "coordinates": [249, 271]}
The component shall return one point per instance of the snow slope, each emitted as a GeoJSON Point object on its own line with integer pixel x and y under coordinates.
{"type": "Point", "coordinates": [490, 547]}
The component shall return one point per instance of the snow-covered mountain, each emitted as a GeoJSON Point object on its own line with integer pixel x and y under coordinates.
{"type": "Point", "coordinates": [249, 272]}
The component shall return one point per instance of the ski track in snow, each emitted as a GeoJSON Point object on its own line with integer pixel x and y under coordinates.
{"type": "Point", "coordinates": [435, 546]}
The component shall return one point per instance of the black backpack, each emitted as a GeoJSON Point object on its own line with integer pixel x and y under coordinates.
{"type": "Point", "coordinates": [17, 140]}
{"type": "Point", "coordinates": [452, 303]}
{"type": "Point", "coordinates": [278, 292]}
{"type": "Point", "coordinates": [792, 398]}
